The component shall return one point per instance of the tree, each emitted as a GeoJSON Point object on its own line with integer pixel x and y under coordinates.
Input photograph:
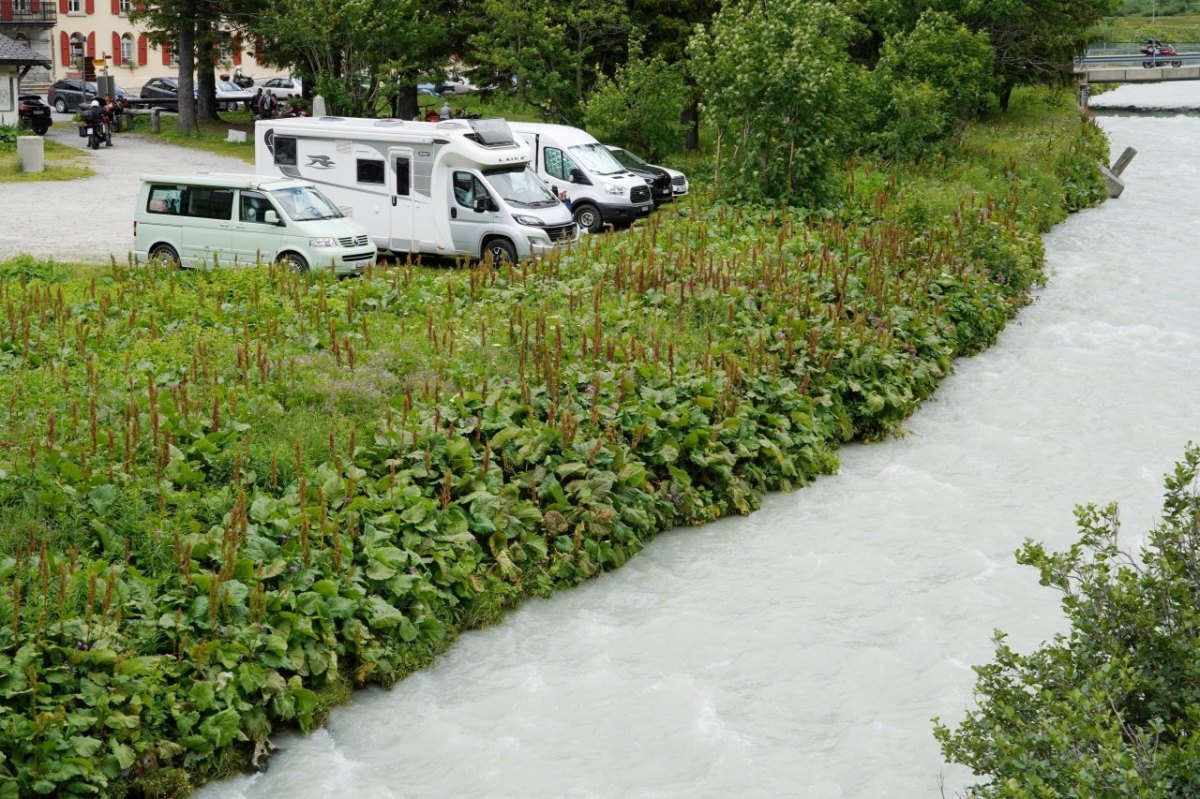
{"type": "Point", "coordinates": [640, 106]}
{"type": "Point", "coordinates": [780, 89]}
{"type": "Point", "coordinates": [550, 54]}
{"type": "Point", "coordinates": [1109, 709]}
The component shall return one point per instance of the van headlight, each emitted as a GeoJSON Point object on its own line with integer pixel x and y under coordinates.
{"type": "Point", "coordinates": [530, 221]}
{"type": "Point", "coordinates": [322, 241]}
{"type": "Point", "coordinates": [617, 190]}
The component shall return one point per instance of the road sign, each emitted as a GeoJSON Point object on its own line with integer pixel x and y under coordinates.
{"type": "Point", "coordinates": [99, 62]}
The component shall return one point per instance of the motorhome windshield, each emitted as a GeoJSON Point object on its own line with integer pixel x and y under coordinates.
{"type": "Point", "coordinates": [305, 204]}
{"type": "Point", "coordinates": [597, 159]}
{"type": "Point", "coordinates": [520, 187]}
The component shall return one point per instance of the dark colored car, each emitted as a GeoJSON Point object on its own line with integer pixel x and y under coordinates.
{"type": "Point", "coordinates": [657, 177]}
{"type": "Point", "coordinates": [34, 113]}
{"type": "Point", "coordinates": [165, 90]}
{"type": "Point", "coordinates": [70, 93]}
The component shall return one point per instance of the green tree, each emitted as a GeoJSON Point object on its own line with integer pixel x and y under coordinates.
{"type": "Point", "coordinates": [780, 90]}
{"type": "Point", "coordinates": [1110, 708]}
{"type": "Point", "coordinates": [550, 54]}
{"type": "Point", "coordinates": [928, 83]}
{"type": "Point", "coordinates": [639, 107]}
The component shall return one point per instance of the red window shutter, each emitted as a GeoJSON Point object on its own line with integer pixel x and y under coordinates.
{"type": "Point", "coordinates": [62, 7]}
{"type": "Point", "coordinates": [166, 54]}
{"type": "Point", "coordinates": [6, 10]}
{"type": "Point", "coordinates": [90, 6]}
{"type": "Point", "coordinates": [143, 50]}
{"type": "Point", "coordinates": [64, 48]}
{"type": "Point", "coordinates": [116, 7]}
{"type": "Point", "coordinates": [35, 6]}
{"type": "Point", "coordinates": [237, 51]}
{"type": "Point", "coordinates": [258, 50]}
{"type": "Point", "coordinates": [91, 45]}
{"type": "Point", "coordinates": [116, 49]}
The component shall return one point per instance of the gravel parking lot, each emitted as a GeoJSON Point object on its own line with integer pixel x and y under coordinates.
{"type": "Point", "coordinates": [91, 220]}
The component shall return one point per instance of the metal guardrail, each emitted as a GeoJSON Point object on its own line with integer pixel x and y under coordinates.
{"type": "Point", "coordinates": [1136, 59]}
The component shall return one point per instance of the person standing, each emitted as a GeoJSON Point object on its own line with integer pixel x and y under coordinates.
{"type": "Point", "coordinates": [446, 111]}
{"type": "Point", "coordinates": [256, 103]}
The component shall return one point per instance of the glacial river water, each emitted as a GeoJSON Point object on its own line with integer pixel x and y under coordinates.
{"type": "Point", "coordinates": [802, 651]}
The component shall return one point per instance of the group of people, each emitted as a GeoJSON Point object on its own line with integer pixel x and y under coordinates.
{"type": "Point", "coordinates": [266, 105]}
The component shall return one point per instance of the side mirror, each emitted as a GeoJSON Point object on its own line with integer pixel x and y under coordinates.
{"type": "Point", "coordinates": [483, 204]}
{"type": "Point", "coordinates": [270, 217]}
{"type": "Point", "coordinates": [578, 177]}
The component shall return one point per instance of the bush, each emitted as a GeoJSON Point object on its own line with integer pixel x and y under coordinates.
{"type": "Point", "coordinates": [1109, 709]}
{"type": "Point", "coordinates": [640, 106]}
{"type": "Point", "coordinates": [928, 83]}
{"type": "Point", "coordinates": [8, 139]}
{"type": "Point", "coordinates": [780, 90]}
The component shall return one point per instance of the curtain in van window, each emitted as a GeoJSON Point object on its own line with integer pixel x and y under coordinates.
{"type": "Point", "coordinates": [557, 164]}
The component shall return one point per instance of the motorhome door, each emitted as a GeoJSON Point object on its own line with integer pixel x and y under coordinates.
{"type": "Point", "coordinates": [471, 214]}
{"type": "Point", "coordinates": [401, 162]}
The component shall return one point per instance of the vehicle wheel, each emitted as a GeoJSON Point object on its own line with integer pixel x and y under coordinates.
{"type": "Point", "coordinates": [60, 105]}
{"type": "Point", "coordinates": [502, 252]}
{"type": "Point", "coordinates": [1176, 63]}
{"type": "Point", "coordinates": [294, 262]}
{"type": "Point", "coordinates": [1148, 64]}
{"type": "Point", "coordinates": [588, 218]}
{"type": "Point", "coordinates": [41, 129]}
{"type": "Point", "coordinates": [165, 253]}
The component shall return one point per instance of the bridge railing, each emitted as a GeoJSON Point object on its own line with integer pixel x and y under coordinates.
{"type": "Point", "coordinates": [1133, 48]}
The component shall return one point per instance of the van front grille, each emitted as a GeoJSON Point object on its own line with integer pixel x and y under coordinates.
{"type": "Point", "coordinates": [353, 241]}
{"type": "Point", "coordinates": [359, 256]}
{"type": "Point", "coordinates": [640, 194]}
{"type": "Point", "coordinates": [561, 232]}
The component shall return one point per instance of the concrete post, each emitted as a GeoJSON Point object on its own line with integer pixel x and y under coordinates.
{"type": "Point", "coordinates": [318, 108]}
{"type": "Point", "coordinates": [1123, 161]}
{"type": "Point", "coordinates": [155, 120]}
{"type": "Point", "coordinates": [1084, 90]}
{"type": "Point", "coordinates": [31, 153]}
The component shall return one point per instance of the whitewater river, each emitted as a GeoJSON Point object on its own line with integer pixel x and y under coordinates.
{"type": "Point", "coordinates": [802, 651]}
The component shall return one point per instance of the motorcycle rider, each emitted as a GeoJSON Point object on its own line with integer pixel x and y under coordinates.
{"type": "Point", "coordinates": [112, 121]}
{"type": "Point", "coordinates": [93, 117]}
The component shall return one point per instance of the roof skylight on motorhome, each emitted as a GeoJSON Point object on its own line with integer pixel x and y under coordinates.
{"type": "Point", "coordinates": [491, 133]}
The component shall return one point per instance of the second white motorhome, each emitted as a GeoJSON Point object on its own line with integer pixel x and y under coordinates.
{"type": "Point", "coordinates": [453, 188]}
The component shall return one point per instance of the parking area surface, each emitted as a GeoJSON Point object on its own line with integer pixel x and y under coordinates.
{"type": "Point", "coordinates": [91, 220]}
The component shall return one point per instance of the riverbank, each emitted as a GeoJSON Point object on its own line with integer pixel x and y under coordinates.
{"type": "Point", "coordinates": [331, 486]}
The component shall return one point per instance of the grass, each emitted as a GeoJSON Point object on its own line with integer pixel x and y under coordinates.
{"type": "Point", "coordinates": [1179, 28]}
{"type": "Point", "coordinates": [210, 136]}
{"type": "Point", "coordinates": [62, 163]}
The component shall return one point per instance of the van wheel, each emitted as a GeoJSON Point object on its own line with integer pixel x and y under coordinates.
{"type": "Point", "coordinates": [588, 218]}
{"type": "Point", "coordinates": [164, 253]}
{"type": "Point", "coordinates": [294, 262]}
{"type": "Point", "coordinates": [502, 252]}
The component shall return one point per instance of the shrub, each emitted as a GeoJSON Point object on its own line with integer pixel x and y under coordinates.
{"type": "Point", "coordinates": [640, 106]}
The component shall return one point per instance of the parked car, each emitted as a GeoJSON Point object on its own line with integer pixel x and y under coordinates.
{"type": "Point", "coordinates": [163, 89]}
{"type": "Point", "coordinates": [656, 177]}
{"type": "Point", "coordinates": [282, 87]}
{"type": "Point", "coordinates": [457, 84]}
{"type": "Point", "coordinates": [33, 113]}
{"type": "Point", "coordinates": [69, 93]}
{"type": "Point", "coordinates": [679, 181]}
{"type": "Point", "coordinates": [230, 96]}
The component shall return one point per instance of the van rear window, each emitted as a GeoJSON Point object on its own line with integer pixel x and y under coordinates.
{"type": "Point", "coordinates": [209, 203]}
{"type": "Point", "coordinates": [164, 200]}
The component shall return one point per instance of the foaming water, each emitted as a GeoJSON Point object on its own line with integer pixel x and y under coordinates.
{"type": "Point", "coordinates": [802, 651]}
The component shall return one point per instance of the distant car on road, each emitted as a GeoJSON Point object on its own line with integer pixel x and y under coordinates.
{"type": "Point", "coordinates": [166, 90]}
{"type": "Point", "coordinates": [282, 87]}
{"type": "Point", "coordinates": [68, 94]}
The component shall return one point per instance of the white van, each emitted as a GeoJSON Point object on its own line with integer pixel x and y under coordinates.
{"type": "Point", "coordinates": [453, 189]}
{"type": "Point", "coordinates": [601, 191]}
{"type": "Point", "coordinates": [206, 219]}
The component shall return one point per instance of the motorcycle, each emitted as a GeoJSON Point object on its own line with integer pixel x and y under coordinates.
{"type": "Point", "coordinates": [1160, 54]}
{"type": "Point", "coordinates": [33, 113]}
{"type": "Point", "coordinates": [96, 128]}
{"type": "Point", "coordinates": [242, 79]}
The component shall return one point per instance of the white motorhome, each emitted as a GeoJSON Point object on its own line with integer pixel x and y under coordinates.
{"type": "Point", "coordinates": [601, 191]}
{"type": "Point", "coordinates": [453, 188]}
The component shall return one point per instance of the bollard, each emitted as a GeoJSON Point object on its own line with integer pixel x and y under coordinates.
{"type": "Point", "coordinates": [1084, 90]}
{"type": "Point", "coordinates": [31, 153]}
{"type": "Point", "coordinates": [1123, 161]}
{"type": "Point", "coordinates": [318, 108]}
{"type": "Point", "coordinates": [155, 120]}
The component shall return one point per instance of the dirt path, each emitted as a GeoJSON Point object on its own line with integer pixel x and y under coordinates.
{"type": "Point", "coordinates": [91, 219]}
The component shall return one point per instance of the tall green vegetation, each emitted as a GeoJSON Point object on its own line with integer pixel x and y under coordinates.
{"type": "Point", "coordinates": [641, 106]}
{"type": "Point", "coordinates": [1108, 709]}
{"type": "Point", "coordinates": [228, 495]}
{"type": "Point", "coordinates": [780, 91]}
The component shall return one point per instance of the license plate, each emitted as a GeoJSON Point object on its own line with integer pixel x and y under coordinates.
{"type": "Point", "coordinates": [645, 208]}
{"type": "Point", "coordinates": [89, 130]}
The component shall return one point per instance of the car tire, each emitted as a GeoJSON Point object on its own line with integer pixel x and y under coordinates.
{"type": "Point", "coordinates": [165, 253]}
{"type": "Point", "coordinates": [60, 105]}
{"type": "Point", "coordinates": [294, 262]}
{"type": "Point", "coordinates": [587, 216]}
{"type": "Point", "coordinates": [41, 129]}
{"type": "Point", "coordinates": [501, 252]}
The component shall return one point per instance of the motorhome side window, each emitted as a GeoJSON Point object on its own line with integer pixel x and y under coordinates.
{"type": "Point", "coordinates": [557, 164]}
{"type": "Point", "coordinates": [285, 151]}
{"type": "Point", "coordinates": [208, 203]}
{"type": "Point", "coordinates": [403, 176]}
{"type": "Point", "coordinates": [253, 207]}
{"type": "Point", "coordinates": [163, 200]}
{"type": "Point", "coordinates": [370, 171]}
{"type": "Point", "coordinates": [467, 189]}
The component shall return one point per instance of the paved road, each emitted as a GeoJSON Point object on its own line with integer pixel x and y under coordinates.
{"type": "Point", "coordinates": [91, 219]}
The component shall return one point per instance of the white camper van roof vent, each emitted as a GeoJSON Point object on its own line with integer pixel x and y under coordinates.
{"type": "Point", "coordinates": [381, 123]}
{"type": "Point", "coordinates": [491, 133]}
{"type": "Point", "coordinates": [332, 119]}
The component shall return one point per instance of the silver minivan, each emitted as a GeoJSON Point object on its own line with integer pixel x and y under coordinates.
{"type": "Point", "coordinates": [214, 219]}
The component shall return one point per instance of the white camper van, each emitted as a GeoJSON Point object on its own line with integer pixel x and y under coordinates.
{"type": "Point", "coordinates": [601, 191]}
{"type": "Point", "coordinates": [216, 219]}
{"type": "Point", "coordinates": [453, 188]}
